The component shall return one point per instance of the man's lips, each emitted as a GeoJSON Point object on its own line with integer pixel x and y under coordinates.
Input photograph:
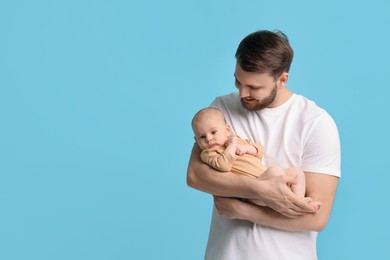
{"type": "Point", "coordinates": [248, 100]}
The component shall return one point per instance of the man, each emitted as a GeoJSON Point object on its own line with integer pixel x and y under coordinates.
{"type": "Point", "coordinates": [294, 132]}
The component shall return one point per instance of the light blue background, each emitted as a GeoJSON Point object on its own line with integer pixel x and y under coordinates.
{"type": "Point", "coordinates": [96, 99]}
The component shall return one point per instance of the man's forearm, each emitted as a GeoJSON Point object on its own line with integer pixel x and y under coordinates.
{"type": "Point", "coordinates": [226, 184]}
{"type": "Point", "coordinates": [274, 192]}
{"type": "Point", "coordinates": [268, 217]}
{"type": "Point", "coordinates": [320, 187]}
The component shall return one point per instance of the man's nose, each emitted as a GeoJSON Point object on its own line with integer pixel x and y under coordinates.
{"type": "Point", "coordinates": [244, 92]}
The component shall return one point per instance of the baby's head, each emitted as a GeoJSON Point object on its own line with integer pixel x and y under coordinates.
{"type": "Point", "coordinates": [210, 128]}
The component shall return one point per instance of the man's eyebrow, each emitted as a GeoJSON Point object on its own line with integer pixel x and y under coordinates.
{"type": "Point", "coordinates": [251, 86]}
{"type": "Point", "coordinates": [255, 86]}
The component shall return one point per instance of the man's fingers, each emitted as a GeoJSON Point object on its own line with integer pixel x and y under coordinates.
{"type": "Point", "coordinates": [303, 206]}
{"type": "Point", "coordinates": [292, 213]}
{"type": "Point", "coordinates": [289, 179]}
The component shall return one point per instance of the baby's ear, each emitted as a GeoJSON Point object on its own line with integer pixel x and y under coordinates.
{"type": "Point", "coordinates": [195, 138]}
{"type": "Point", "coordinates": [228, 127]}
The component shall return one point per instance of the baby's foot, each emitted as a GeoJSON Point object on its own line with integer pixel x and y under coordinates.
{"type": "Point", "coordinates": [308, 200]}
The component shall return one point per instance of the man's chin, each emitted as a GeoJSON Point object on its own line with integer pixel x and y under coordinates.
{"type": "Point", "coordinates": [249, 106]}
{"type": "Point", "coordinates": [253, 106]}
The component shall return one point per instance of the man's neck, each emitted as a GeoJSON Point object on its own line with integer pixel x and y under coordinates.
{"type": "Point", "coordinates": [282, 97]}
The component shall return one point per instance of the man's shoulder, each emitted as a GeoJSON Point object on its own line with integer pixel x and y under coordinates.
{"type": "Point", "coordinates": [309, 111]}
{"type": "Point", "coordinates": [310, 107]}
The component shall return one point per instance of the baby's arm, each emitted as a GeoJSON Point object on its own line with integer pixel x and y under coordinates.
{"type": "Point", "coordinates": [220, 159]}
{"type": "Point", "coordinates": [246, 148]}
{"type": "Point", "coordinates": [232, 145]}
{"type": "Point", "coordinates": [250, 148]}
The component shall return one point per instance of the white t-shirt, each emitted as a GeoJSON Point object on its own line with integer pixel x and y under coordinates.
{"type": "Point", "coordinates": [297, 133]}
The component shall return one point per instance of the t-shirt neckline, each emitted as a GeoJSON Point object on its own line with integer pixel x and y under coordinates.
{"type": "Point", "coordinates": [282, 107]}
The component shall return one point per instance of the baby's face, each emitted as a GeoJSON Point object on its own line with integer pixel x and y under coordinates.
{"type": "Point", "coordinates": [211, 131]}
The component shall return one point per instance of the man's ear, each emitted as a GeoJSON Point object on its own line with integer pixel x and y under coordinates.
{"type": "Point", "coordinates": [283, 79]}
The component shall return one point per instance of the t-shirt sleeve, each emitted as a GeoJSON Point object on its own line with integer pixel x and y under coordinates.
{"type": "Point", "coordinates": [322, 147]}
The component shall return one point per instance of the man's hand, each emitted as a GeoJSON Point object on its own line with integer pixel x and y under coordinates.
{"type": "Point", "coordinates": [320, 186]}
{"type": "Point", "coordinates": [278, 196]}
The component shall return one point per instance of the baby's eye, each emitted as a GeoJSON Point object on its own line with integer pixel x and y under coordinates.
{"type": "Point", "coordinates": [202, 137]}
{"type": "Point", "coordinates": [214, 132]}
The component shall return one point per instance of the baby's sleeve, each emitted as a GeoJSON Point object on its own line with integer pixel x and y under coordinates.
{"type": "Point", "coordinates": [218, 159]}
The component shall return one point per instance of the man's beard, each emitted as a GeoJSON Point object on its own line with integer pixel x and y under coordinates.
{"type": "Point", "coordinates": [261, 104]}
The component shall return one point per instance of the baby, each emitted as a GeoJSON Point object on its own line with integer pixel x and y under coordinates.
{"type": "Point", "coordinates": [226, 152]}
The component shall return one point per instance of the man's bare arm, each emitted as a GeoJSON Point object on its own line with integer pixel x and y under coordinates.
{"type": "Point", "coordinates": [226, 184]}
{"type": "Point", "coordinates": [274, 192]}
{"type": "Point", "coordinates": [320, 187]}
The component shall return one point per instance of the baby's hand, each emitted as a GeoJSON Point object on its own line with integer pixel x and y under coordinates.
{"type": "Point", "coordinates": [231, 145]}
{"type": "Point", "coordinates": [232, 140]}
{"type": "Point", "coordinates": [241, 149]}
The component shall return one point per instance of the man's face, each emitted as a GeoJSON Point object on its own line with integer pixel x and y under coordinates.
{"type": "Point", "coordinates": [257, 90]}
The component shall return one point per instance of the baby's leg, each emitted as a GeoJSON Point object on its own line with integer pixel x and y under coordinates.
{"type": "Point", "coordinates": [272, 171]}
